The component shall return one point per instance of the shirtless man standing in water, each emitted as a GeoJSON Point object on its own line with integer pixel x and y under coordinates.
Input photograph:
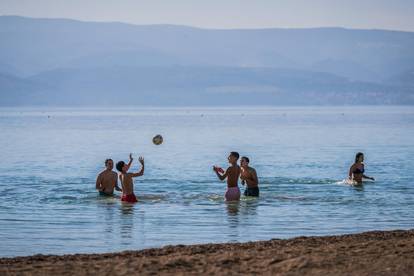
{"type": "Point", "coordinates": [248, 176]}
{"type": "Point", "coordinates": [126, 179]}
{"type": "Point", "coordinates": [232, 174]}
{"type": "Point", "coordinates": [107, 180]}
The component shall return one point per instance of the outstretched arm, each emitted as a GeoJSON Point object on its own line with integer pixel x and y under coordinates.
{"type": "Point", "coordinates": [141, 172]}
{"type": "Point", "coordinates": [368, 177]}
{"type": "Point", "coordinates": [221, 176]}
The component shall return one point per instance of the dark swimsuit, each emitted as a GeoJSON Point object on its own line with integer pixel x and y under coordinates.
{"type": "Point", "coordinates": [359, 171]}
{"type": "Point", "coordinates": [251, 191]}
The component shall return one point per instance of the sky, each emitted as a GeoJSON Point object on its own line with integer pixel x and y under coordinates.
{"type": "Point", "coordinates": [227, 14]}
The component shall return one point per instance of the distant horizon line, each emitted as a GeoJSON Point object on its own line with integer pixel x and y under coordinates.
{"type": "Point", "coordinates": [182, 107]}
{"type": "Point", "coordinates": [206, 28]}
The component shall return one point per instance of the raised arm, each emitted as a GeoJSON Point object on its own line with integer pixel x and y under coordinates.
{"type": "Point", "coordinates": [141, 172]}
{"type": "Point", "coordinates": [130, 161]}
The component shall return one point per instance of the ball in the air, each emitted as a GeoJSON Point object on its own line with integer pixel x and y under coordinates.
{"type": "Point", "coordinates": [157, 140]}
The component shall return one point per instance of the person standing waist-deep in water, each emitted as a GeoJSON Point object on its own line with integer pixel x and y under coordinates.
{"type": "Point", "coordinates": [357, 170]}
{"type": "Point", "coordinates": [232, 174]}
{"type": "Point", "coordinates": [107, 180]}
{"type": "Point", "coordinates": [248, 176]}
{"type": "Point", "coordinates": [126, 179]}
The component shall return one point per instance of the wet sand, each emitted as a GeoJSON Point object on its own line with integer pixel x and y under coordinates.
{"type": "Point", "coordinates": [371, 253]}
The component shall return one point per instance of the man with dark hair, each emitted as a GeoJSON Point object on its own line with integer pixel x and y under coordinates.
{"type": "Point", "coordinates": [107, 180]}
{"type": "Point", "coordinates": [232, 174]}
{"type": "Point", "coordinates": [126, 178]}
{"type": "Point", "coordinates": [248, 176]}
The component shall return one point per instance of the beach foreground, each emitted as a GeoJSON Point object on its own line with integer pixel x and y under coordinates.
{"type": "Point", "coordinates": [370, 253]}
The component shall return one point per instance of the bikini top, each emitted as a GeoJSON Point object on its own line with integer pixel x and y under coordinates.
{"type": "Point", "coordinates": [358, 170]}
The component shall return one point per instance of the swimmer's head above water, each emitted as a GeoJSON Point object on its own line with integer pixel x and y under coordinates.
{"type": "Point", "coordinates": [233, 157]}
{"type": "Point", "coordinates": [359, 157]}
{"type": "Point", "coordinates": [109, 164]}
{"type": "Point", "coordinates": [121, 166]}
{"type": "Point", "coordinates": [244, 161]}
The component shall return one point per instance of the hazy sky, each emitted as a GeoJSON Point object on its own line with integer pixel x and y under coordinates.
{"type": "Point", "coordinates": [380, 14]}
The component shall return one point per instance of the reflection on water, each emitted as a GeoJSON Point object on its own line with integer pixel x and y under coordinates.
{"type": "Point", "coordinates": [233, 208]}
{"type": "Point", "coordinates": [233, 220]}
{"type": "Point", "coordinates": [127, 221]}
{"type": "Point", "coordinates": [127, 209]}
{"type": "Point", "coordinates": [359, 188]}
{"type": "Point", "coordinates": [249, 206]}
{"type": "Point", "coordinates": [48, 168]}
{"type": "Point", "coordinates": [109, 215]}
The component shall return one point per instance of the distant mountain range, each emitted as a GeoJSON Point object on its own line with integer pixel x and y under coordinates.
{"type": "Point", "coordinates": [68, 62]}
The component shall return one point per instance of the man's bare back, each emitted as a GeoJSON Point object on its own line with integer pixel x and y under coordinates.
{"type": "Point", "coordinates": [126, 178]}
{"type": "Point", "coordinates": [233, 174]}
{"type": "Point", "coordinates": [127, 183]}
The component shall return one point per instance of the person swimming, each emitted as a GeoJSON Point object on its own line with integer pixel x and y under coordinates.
{"type": "Point", "coordinates": [107, 180]}
{"type": "Point", "coordinates": [357, 170]}
{"type": "Point", "coordinates": [232, 174]}
{"type": "Point", "coordinates": [248, 176]}
{"type": "Point", "coordinates": [126, 178]}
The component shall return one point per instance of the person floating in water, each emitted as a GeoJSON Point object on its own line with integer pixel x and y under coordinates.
{"type": "Point", "coordinates": [356, 172]}
{"type": "Point", "coordinates": [107, 180]}
{"type": "Point", "coordinates": [126, 179]}
{"type": "Point", "coordinates": [248, 176]}
{"type": "Point", "coordinates": [232, 174]}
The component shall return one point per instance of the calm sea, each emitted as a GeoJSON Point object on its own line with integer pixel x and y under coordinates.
{"type": "Point", "coordinates": [49, 160]}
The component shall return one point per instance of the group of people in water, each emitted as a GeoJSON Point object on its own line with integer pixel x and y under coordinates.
{"type": "Point", "coordinates": [107, 180]}
{"type": "Point", "coordinates": [246, 173]}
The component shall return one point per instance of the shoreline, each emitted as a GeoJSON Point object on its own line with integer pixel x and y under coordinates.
{"type": "Point", "coordinates": [368, 253]}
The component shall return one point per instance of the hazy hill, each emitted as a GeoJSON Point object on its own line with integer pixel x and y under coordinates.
{"type": "Point", "coordinates": [71, 62]}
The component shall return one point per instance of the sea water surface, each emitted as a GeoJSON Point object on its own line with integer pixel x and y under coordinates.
{"type": "Point", "coordinates": [50, 157]}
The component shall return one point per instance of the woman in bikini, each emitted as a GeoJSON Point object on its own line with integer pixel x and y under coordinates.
{"type": "Point", "coordinates": [357, 170]}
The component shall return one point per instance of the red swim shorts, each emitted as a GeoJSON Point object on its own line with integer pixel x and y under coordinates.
{"type": "Point", "coordinates": [129, 198]}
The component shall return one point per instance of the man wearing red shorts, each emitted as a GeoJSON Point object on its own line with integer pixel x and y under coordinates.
{"type": "Point", "coordinates": [126, 179]}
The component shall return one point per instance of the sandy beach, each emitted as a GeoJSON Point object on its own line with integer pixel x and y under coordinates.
{"type": "Point", "coordinates": [370, 253]}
